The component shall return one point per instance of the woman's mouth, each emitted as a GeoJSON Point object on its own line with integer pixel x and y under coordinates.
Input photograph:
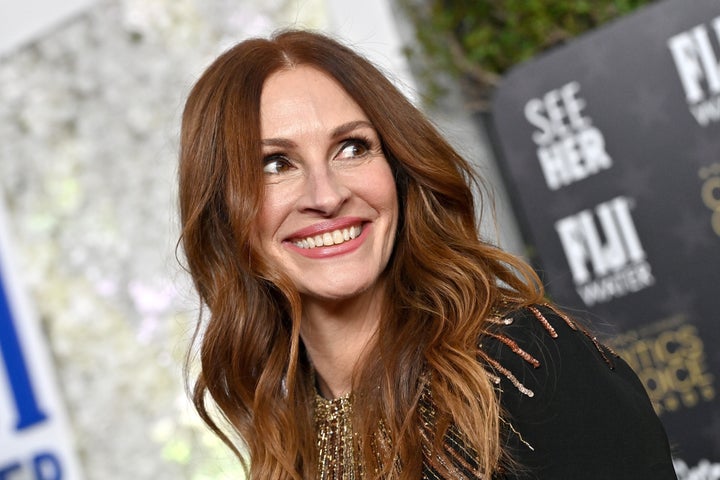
{"type": "Point", "coordinates": [335, 237]}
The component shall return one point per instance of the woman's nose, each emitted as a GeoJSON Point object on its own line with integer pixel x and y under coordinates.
{"type": "Point", "coordinates": [324, 193]}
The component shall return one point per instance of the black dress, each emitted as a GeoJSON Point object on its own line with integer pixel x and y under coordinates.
{"type": "Point", "coordinates": [574, 410]}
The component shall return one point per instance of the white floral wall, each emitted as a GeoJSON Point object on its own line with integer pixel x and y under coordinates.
{"type": "Point", "coordinates": [89, 118]}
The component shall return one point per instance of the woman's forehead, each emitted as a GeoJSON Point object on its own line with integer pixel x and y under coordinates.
{"type": "Point", "coordinates": [302, 98]}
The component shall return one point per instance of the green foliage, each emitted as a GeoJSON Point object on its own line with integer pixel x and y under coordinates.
{"type": "Point", "coordinates": [478, 40]}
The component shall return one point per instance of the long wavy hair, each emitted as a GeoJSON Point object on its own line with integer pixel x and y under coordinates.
{"type": "Point", "coordinates": [254, 387]}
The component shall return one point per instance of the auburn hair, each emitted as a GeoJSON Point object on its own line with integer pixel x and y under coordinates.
{"type": "Point", "coordinates": [254, 387]}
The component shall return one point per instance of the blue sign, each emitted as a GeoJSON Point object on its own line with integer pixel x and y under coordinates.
{"type": "Point", "coordinates": [35, 442]}
{"type": "Point", "coordinates": [26, 404]}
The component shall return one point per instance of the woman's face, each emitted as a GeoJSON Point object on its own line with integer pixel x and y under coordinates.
{"type": "Point", "coordinates": [330, 208]}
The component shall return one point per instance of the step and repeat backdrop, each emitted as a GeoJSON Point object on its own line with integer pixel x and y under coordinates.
{"type": "Point", "coordinates": [611, 144]}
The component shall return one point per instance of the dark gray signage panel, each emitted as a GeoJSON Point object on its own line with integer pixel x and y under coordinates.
{"type": "Point", "coordinates": [612, 147]}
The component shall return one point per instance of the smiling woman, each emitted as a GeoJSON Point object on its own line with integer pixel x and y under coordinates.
{"type": "Point", "coordinates": [358, 326]}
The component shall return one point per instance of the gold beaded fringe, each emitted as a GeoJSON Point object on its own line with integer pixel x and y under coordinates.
{"type": "Point", "coordinates": [335, 442]}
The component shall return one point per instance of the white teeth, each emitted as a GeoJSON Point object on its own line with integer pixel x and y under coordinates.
{"type": "Point", "coordinates": [335, 237]}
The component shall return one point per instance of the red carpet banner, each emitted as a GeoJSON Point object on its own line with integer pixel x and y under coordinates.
{"type": "Point", "coordinates": [611, 144]}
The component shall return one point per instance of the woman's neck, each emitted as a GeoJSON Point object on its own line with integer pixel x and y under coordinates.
{"type": "Point", "coordinates": [336, 336]}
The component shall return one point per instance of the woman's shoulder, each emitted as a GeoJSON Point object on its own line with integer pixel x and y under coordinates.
{"type": "Point", "coordinates": [527, 346]}
{"type": "Point", "coordinates": [571, 405]}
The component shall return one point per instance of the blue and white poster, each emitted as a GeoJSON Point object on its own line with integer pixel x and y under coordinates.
{"type": "Point", "coordinates": [611, 144]}
{"type": "Point", "coordinates": [35, 441]}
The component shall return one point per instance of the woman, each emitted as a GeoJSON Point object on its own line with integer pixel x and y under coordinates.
{"type": "Point", "coordinates": [357, 326]}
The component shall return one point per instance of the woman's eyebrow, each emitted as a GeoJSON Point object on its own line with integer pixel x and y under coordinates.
{"type": "Point", "coordinates": [348, 127]}
{"type": "Point", "coordinates": [278, 142]}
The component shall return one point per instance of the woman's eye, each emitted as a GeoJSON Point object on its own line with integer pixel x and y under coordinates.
{"type": "Point", "coordinates": [275, 164]}
{"type": "Point", "coordinates": [353, 148]}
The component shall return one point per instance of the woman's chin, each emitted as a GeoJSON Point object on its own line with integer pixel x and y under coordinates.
{"type": "Point", "coordinates": [335, 293]}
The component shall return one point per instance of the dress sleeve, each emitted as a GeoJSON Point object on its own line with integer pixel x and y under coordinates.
{"type": "Point", "coordinates": [572, 409]}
